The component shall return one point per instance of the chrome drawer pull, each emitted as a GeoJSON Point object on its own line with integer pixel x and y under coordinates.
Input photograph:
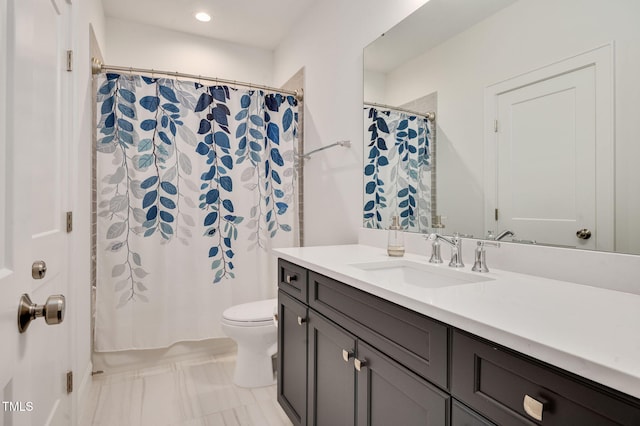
{"type": "Point", "coordinates": [359, 363]}
{"type": "Point", "coordinates": [533, 407]}
{"type": "Point", "coordinates": [347, 355]}
{"type": "Point", "coordinates": [289, 278]}
{"type": "Point", "coordinates": [301, 320]}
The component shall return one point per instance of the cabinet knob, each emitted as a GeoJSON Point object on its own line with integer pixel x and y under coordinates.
{"type": "Point", "coordinates": [359, 363]}
{"type": "Point", "coordinates": [289, 278]}
{"type": "Point", "coordinates": [301, 320]}
{"type": "Point", "coordinates": [347, 355]}
{"type": "Point", "coordinates": [533, 407]}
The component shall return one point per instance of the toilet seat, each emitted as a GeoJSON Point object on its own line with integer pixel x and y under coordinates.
{"type": "Point", "coordinates": [253, 314]}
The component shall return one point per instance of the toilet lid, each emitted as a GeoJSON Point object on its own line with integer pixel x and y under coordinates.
{"type": "Point", "coordinates": [260, 311]}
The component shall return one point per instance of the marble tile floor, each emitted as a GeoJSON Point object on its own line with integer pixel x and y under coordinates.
{"type": "Point", "coordinates": [185, 393]}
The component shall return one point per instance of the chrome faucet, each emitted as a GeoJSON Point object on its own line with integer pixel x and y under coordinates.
{"type": "Point", "coordinates": [480, 264]}
{"type": "Point", "coordinates": [503, 234]}
{"type": "Point", "coordinates": [456, 249]}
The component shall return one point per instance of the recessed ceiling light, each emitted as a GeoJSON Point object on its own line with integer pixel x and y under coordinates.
{"type": "Point", "coordinates": [203, 17]}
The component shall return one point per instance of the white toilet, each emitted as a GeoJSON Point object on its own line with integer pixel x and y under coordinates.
{"type": "Point", "coordinates": [252, 327]}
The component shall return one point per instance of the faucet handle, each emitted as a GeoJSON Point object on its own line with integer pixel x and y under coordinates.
{"type": "Point", "coordinates": [432, 236]}
{"type": "Point", "coordinates": [480, 264]}
{"type": "Point", "coordinates": [484, 243]}
{"type": "Point", "coordinates": [436, 256]}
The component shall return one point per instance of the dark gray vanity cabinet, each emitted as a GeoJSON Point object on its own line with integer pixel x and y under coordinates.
{"type": "Point", "coordinates": [367, 361]}
{"type": "Point", "coordinates": [347, 357]}
{"type": "Point", "coordinates": [411, 339]}
{"type": "Point", "coordinates": [464, 416]}
{"type": "Point", "coordinates": [292, 358]}
{"type": "Point", "coordinates": [292, 341]}
{"type": "Point", "coordinates": [390, 394]}
{"type": "Point", "coordinates": [512, 389]}
{"type": "Point", "coordinates": [331, 379]}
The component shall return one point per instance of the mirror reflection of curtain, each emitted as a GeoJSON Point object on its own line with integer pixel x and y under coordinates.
{"type": "Point", "coordinates": [397, 175]}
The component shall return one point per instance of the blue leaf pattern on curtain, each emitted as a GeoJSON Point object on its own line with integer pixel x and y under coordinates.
{"type": "Point", "coordinates": [397, 178]}
{"type": "Point", "coordinates": [174, 181]}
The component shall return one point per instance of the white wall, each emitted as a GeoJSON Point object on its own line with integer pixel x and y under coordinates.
{"type": "Point", "coordinates": [328, 42]}
{"type": "Point", "coordinates": [137, 45]}
{"type": "Point", "coordinates": [504, 46]}
{"type": "Point", "coordinates": [375, 87]}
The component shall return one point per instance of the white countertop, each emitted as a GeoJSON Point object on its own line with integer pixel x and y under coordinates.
{"type": "Point", "coordinates": [589, 331]}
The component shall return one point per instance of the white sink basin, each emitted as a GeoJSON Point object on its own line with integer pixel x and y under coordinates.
{"type": "Point", "coordinates": [403, 271]}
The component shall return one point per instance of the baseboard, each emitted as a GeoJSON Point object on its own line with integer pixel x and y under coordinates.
{"type": "Point", "coordinates": [116, 362]}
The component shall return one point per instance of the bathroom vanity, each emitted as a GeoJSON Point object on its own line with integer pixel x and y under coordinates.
{"type": "Point", "coordinates": [365, 339]}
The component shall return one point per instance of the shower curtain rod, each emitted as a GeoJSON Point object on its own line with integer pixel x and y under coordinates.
{"type": "Point", "coordinates": [97, 67]}
{"type": "Point", "coordinates": [431, 116]}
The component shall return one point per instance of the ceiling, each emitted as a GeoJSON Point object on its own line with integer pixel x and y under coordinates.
{"type": "Point", "coordinates": [427, 27]}
{"type": "Point", "coordinates": [256, 23]}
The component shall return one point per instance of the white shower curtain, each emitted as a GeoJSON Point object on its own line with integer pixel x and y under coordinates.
{"type": "Point", "coordinates": [195, 184]}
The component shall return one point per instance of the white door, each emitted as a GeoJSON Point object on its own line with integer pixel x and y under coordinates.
{"type": "Point", "coordinates": [549, 168]}
{"type": "Point", "coordinates": [546, 159]}
{"type": "Point", "coordinates": [33, 195]}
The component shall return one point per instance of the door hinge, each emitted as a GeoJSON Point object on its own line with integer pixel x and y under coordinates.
{"type": "Point", "coordinates": [495, 126]}
{"type": "Point", "coordinates": [496, 214]}
{"type": "Point", "coordinates": [69, 381]}
{"type": "Point", "coordinates": [69, 60]}
{"type": "Point", "coordinates": [69, 222]}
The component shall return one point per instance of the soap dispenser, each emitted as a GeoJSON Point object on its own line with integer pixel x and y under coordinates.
{"type": "Point", "coordinates": [395, 247]}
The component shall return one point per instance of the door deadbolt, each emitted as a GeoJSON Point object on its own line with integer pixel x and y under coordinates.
{"type": "Point", "coordinates": [52, 311]}
{"type": "Point", "coordinates": [583, 234]}
{"type": "Point", "coordinates": [38, 269]}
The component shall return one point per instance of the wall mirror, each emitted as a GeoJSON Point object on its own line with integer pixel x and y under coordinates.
{"type": "Point", "coordinates": [533, 122]}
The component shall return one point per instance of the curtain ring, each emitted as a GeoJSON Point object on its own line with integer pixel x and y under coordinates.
{"type": "Point", "coordinates": [152, 73]}
{"type": "Point", "coordinates": [199, 79]}
{"type": "Point", "coordinates": [130, 71]}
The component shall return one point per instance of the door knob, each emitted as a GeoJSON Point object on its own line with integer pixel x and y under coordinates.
{"type": "Point", "coordinates": [583, 234]}
{"type": "Point", "coordinates": [52, 311]}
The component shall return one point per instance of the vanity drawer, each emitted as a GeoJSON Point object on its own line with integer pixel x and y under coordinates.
{"type": "Point", "coordinates": [498, 383]}
{"type": "Point", "coordinates": [415, 341]}
{"type": "Point", "coordinates": [292, 279]}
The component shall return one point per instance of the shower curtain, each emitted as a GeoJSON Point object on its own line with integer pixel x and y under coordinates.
{"type": "Point", "coordinates": [195, 185]}
{"type": "Point", "coordinates": [397, 173]}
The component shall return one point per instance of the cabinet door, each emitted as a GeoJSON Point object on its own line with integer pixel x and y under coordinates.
{"type": "Point", "coordinates": [415, 341]}
{"type": "Point", "coordinates": [390, 394]}
{"type": "Point", "coordinates": [464, 416]}
{"type": "Point", "coordinates": [292, 358]}
{"type": "Point", "coordinates": [331, 377]}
